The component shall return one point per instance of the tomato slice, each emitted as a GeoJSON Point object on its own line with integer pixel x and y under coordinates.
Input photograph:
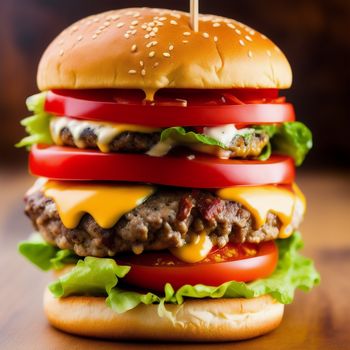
{"type": "Point", "coordinates": [181, 169]}
{"type": "Point", "coordinates": [235, 262]}
{"type": "Point", "coordinates": [171, 108]}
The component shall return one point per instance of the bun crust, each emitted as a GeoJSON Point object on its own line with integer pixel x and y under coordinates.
{"type": "Point", "coordinates": [149, 49]}
{"type": "Point", "coordinates": [196, 320]}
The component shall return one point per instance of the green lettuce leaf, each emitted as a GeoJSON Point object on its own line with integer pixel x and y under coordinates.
{"type": "Point", "coordinates": [266, 152]}
{"type": "Point", "coordinates": [44, 255]}
{"type": "Point", "coordinates": [92, 276]}
{"type": "Point", "coordinates": [291, 138]}
{"type": "Point", "coordinates": [180, 136]}
{"type": "Point", "coordinates": [99, 276]}
{"type": "Point", "coordinates": [37, 125]}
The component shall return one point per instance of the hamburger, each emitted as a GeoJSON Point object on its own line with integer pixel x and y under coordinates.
{"type": "Point", "coordinates": [166, 204]}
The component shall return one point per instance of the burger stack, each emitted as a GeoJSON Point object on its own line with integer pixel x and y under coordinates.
{"type": "Point", "coordinates": [165, 201]}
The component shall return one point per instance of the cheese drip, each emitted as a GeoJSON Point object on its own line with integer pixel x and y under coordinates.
{"type": "Point", "coordinates": [105, 132]}
{"type": "Point", "coordinates": [195, 251]}
{"type": "Point", "coordinates": [105, 203]}
{"type": "Point", "coordinates": [260, 200]}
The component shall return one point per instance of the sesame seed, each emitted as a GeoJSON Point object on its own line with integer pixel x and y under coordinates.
{"type": "Point", "coordinates": [136, 14]}
{"type": "Point", "coordinates": [277, 49]}
{"type": "Point", "coordinates": [141, 63]}
{"type": "Point", "coordinates": [61, 53]}
{"type": "Point", "coordinates": [126, 35]}
{"type": "Point", "coordinates": [251, 32]}
{"type": "Point", "coordinates": [185, 41]}
{"type": "Point", "coordinates": [268, 53]}
{"type": "Point", "coordinates": [95, 20]}
{"type": "Point", "coordinates": [74, 29]}
{"type": "Point", "coordinates": [238, 31]}
{"type": "Point", "coordinates": [156, 64]}
{"type": "Point", "coordinates": [155, 29]}
{"type": "Point", "coordinates": [80, 38]}
{"type": "Point", "coordinates": [166, 54]}
{"type": "Point", "coordinates": [216, 24]}
{"type": "Point", "coordinates": [94, 36]}
{"type": "Point", "coordinates": [187, 33]}
{"type": "Point", "coordinates": [206, 35]}
{"type": "Point", "coordinates": [152, 54]}
{"type": "Point", "coordinates": [171, 47]}
{"type": "Point", "coordinates": [132, 71]}
{"type": "Point", "coordinates": [241, 42]}
{"type": "Point", "coordinates": [151, 43]}
{"type": "Point", "coordinates": [120, 24]}
{"type": "Point", "coordinates": [248, 38]}
{"type": "Point", "coordinates": [107, 23]}
{"type": "Point", "coordinates": [162, 18]}
{"type": "Point", "coordinates": [134, 23]}
{"type": "Point", "coordinates": [231, 25]}
{"type": "Point", "coordinates": [144, 26]}
{"type": "Point", "coordinates": [133, 32]}
{"type": "Point", "coordinates": [115, 18]}
{"type": "Point", "coordinates": [250, 54]}
{"type": "Point", "coordinates": [173, 22]}
{"type": "Point", "coordinates": [149, 29]}
{"type": "Point", "coordinates": [216, 39]}
{"type": "Point", "coordinates": [147, 36]}
{"type": "Point", "coordinates": [263, 36]}
{"type": "Point", "coordinates": [151, 24]}
{"type": "Point", "coordinates": [152, 34]}
{"type": "Point", "coordinates": [143, 72]}
{"type": "Point", "coordinates": [134, 48]}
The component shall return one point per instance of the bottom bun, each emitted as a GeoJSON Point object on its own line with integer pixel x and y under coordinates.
{"type": "Point", "coordinates": [196, 320]}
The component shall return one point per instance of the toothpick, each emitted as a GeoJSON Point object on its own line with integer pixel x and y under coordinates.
{"type": "Point", "coordinates": [194, 14]}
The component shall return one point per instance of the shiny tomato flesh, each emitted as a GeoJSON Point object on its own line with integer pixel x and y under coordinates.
{"type": "Point", "coordinates": [183, 170]}
{"type": "Point", "coordinates": [182, 107]}
{"type": "Point", "coordinates": [235, 262]}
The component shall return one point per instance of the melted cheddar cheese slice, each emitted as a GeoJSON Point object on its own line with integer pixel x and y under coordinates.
{"type": "Point", "coordinates": [105, 203]}
{"type": "Point", "coordinates": [260, 200]}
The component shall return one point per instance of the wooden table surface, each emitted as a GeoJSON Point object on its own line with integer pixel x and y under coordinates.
{"type": "Point", "coordinates": [316, 320]}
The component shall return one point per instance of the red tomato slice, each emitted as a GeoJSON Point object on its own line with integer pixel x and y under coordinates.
{"type": "Point", "coordinates": [65, 163]}
{"type": "Point", "coordinates": [235, 262]}
{"type": "Point", "coordinates": [202, 107]}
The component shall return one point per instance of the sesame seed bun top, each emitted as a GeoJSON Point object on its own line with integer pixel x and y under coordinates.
{"type": "Point", "coordinates": [150, 49]}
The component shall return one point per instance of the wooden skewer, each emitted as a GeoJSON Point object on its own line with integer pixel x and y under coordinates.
{"type": "Point", "coordinates": [194, 14]}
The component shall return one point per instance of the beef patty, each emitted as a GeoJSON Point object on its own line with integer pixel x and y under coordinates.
{"type": "Point", "coordinates": [169, 218]}
{"type": "Point", "coordinates": [136, 142]}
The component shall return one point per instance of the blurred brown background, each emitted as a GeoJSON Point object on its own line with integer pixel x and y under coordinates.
{"type": "Point", "coordinates": [314, 34]}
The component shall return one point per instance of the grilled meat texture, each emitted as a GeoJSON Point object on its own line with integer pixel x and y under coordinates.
{"type": "Point", "coordinates": [136, 142]}
{"type": "Point", "coordinates": [169, 218]}
{"type": "Point", "coordinates": [126, 142]}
